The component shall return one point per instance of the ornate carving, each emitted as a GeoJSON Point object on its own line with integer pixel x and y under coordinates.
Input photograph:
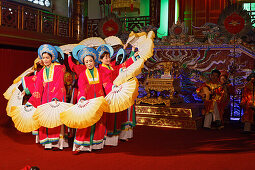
{"type": "Point", "coordinates": [184, 116]}
{"type": "Point", "coordinates": [9, 15]}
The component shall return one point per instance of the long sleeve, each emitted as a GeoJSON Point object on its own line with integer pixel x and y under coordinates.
{"type": "Point", "coordinates": [77, 69]}
{"type": "Point", "coordinates": [36, 97]}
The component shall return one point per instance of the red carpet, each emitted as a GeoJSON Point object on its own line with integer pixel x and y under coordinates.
{"type": "Point", "coordinates": [151, 148]}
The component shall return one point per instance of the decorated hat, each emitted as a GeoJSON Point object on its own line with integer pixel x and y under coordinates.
{"type": "Point", "coordinates": [76, 49]}
{"type": "Point", "coordinates": [60, 51]}
{"type": "Point", "coordinates": [49, 49]}
{"type": "Point", "coordinates": [104, 48]}
{"type": "Point", "coordinates": [87, 51]}
{"type": "Point", "coordinates": [121, 52]}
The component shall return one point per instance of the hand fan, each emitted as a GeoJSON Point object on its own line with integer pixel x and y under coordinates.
{"type": "Point", "coordinates": [132, 71]}
{"type": "Point", "coordinates": [22, 116]}
{"type": "Point", "coordinates": [122, 96]}
{"type": "Point", "coordinates": [84, 114]}
{"type": "Point", "coordinates": [48, 114]}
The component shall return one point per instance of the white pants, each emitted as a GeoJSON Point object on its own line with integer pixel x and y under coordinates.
{"type": "Point", "coordinates": [212, 116]}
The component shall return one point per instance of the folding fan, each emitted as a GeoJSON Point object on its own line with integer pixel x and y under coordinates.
{"type": "Point", "coordinates": [113, 40]}
{"type": "Point", "coordinates": [22, 116]}
{"type": "Point", "coordinates": [132, 71]}
{"type": "Point", "coordinates": [15, 100]}
{"type": "Point", "coordinates": [8, 93]}
{"type": "Point", "coordinates": [135, 38]}
{"type": "Point", "coordinates": [92, 42]}
{"type": "Point", "coordinates": [122, 96]}
{"type": "Point", "coordinates": [84, 114]}
{"type": "Point", "coordinates": [48, 114]}
{"type": "Point", "coordinates": [145, 48]}
{"type": "Point", "coordinates": [68, 47]}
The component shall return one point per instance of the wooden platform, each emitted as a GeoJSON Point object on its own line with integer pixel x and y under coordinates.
{"type": "Point", "coordinates": [184, 116]}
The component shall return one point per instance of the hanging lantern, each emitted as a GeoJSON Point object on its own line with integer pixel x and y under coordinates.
{"type": "Point", "coordinates": [125, 6]}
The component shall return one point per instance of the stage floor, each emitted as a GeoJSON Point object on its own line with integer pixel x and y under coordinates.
{"type": "Point", "coordinates": [151, 148]}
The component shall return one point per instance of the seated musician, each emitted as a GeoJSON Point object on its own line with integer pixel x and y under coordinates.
{"type": "Point", "coordinates": [210, 97]}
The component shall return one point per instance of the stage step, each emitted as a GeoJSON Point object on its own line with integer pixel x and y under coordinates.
{"type": "Point", "coordinates": [184, 116]}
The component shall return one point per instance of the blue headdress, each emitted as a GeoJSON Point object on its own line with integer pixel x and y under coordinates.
{"type": "Point", "coordinates": [49, 49]}
{"type": "Point", "coordinates": [123, 52]}
{"type": "Point", "coordinates": [87, 51]}
{"type": "Point", "coordinates": [61, 52]}
{"type": "Point", "coordinates": [76, 49]}
{"type": "Point", "coordinates": [104, 48]}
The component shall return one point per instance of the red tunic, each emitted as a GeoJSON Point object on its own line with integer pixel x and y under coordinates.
{"type": "Point", "coordinates": [248, 102]}
{"type": "Point", "coordinates": [224, 91]}
{"type": "Point", "coordinates": [89, 88]}
{"type": "Point", "coordinates": [114, 121]}
{"type": "Point", "coordinates": [47, 89]}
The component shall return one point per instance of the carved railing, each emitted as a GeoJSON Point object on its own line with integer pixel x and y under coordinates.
{"type": "Point", "coordinates": [21, 17]}
{"type": "Point", "coordinates": [93, 28]}
{"type": "Point", "coordinates": [134, 23]}
{"type": "Point", "coordinates": [128, 24]}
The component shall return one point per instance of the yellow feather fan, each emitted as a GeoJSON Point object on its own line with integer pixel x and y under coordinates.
{"type": "Point", "coordinates": [113, 40]}
{"type": "Point", "coordinates": [15, 100]}
{"type": "Point", "coordinates": [68, 47]}
{"type": "Point", "coordinates": [122, 96]}
{"type": "Point", "coordinates": [22, 117]}
{"type": "Point", "coordinates": [92, 42]}
{"type": "Point", "coordinates": [8, 93]}
{"type": "Point", "coordinates": [135, 38]}
{"type": "Point", "coordinates": [84, 114]}
{"type": "Point", "coordinates": [146, 48]}
{"type": "Point", "coordinates": [132, 71]}
{"type": "Point", "coordinates": [48, 114]}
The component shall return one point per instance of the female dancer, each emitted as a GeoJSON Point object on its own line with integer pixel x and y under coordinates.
{"type": "Point", "coordinates": [90, 85]}
{"type": "Point", "coordinates": [49, 87]}
{"type": "Point", "coordinates": [109, 72]}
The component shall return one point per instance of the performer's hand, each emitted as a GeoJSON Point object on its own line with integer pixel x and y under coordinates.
{"type": "Point", "coordinates": [133, 48]}
{"type": "Point", "coordinates": [125, 46]}
{"type": "Point", "coordinates": [56, 101]}
{"type": "Point", "coordinates": [136, 54]}
{"type": "Point", "coordinates": [23, 93]}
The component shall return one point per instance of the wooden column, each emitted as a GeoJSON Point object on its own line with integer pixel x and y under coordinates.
{"type": "Point", "coordinates": [155, 12]}
{"type": "Point", "coordinates": [171, 13]}
{"type": "Point", "coordinates": [77, 16]}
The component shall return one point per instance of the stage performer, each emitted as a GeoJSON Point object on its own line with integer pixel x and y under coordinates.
{"type": "Point", "coordinates": [225, 90]}
{"type": "Point", "coordinates": [49, 87]}
{"type": "Point", "coordinates": [128, 117]}
{"type": "Point", "coordinates": [90, 85]}
{"type": "Point", "coordinates": [208, 91]}
{"type": "Point", "coordinates": [248, 103]}
{"type": "Point", "coordinates": [110, 70]}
